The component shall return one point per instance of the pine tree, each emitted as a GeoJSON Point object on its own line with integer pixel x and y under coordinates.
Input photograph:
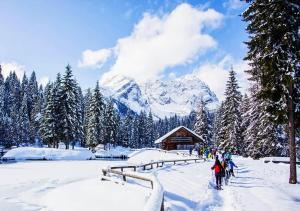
{"type": "Point", "coordinates": [34, 107]}
{"type": "Point", "coordinates": [3, 123]}
{"type": "Point", "coordinates": [48, 127]}
{"type": "Point", "coordinates": [68, 100]}
{"type": "Point", "coordinates": [246, 112]}
{"type": "Point", "coordinates": [95, 128]}
{"type": "Point", "coordinates": [260, 136]}
{"type": "Point", "coordinates": [142, 130]}
{"type": "Point", "coordinates": [217, 132]}
{"type": "Point", "coordinates": [87, 102]}
{"type": "Point", "coordinates": [230, 132]}
{"type": "Point", "coordinates": [150, 130]}
{"type": "Point", "coordinates": [58, 105]}
{"type": "Point", "coordinates": [79, 133]}
{"type": "Point", "coordinates": [127, 130]}
{"type": "Point", "coordinates": [110, 124]}
{"type": "Point", "coordinates": [274, 55]}
{"type": "Point", "coordinates": [24, 121]}
{"type": "Point", "coordinates": [202, 127]}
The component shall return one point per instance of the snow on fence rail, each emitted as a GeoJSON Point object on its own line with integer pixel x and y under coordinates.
{"type": "Point", "coordinates": [156, 200]}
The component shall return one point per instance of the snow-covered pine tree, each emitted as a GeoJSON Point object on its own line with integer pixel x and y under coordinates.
{"type": "Point", "coordinates": [230, 131]}
{"type": "Point", "coordinates": [95, 128]}
{"type": "Point", "coordinates": [134, 140]}
{"type": "Point", "coordinates": [48, 127]}
{"type": "Point", "coordinates": [127, 130]}
{"type": "Point", "coordinates": [79, 134]}
{"type": "Point", "coordinates": [58, 114]}
{"type": "Point", "coordinates": [142, 130]}
{"type": "Point", "coordinates": [150, 130]}
{"type": "Point", "coordinates": [34, 107]}
{"type": "Point", "coordinates": [24, 121]}
{"type": "Point", "coordinates": [217, 133]}
{"type": "Point", "coordinates": [67, 98]}
{"type": "Point", "coordinates": [2, 111]}
{"type": "Point", "coordinates": [202, 127]}
{"type": "Point", "coordinates": [274, 55]}
{"type": "Point", "coordinates": [245, 111]}
{"type": "Point", "coordinates": [87, 102]}
{"type": "Point", "coordinates": [110, 134]}
{"type": "Point", "coordinates": [260, 136]}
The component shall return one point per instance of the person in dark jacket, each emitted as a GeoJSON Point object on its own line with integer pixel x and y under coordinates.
{"type": "Point", "coordinates": [218, 168]}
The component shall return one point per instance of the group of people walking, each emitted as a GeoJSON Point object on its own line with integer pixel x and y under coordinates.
{"type": "Point", "coordinates": [223, 169]}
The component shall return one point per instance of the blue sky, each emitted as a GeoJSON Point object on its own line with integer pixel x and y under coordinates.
{"type": "Point", "coordinates": [45, 35]}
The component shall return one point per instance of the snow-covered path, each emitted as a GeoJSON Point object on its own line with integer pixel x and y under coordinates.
{"type": "Point", "coordinates": [257, 186]}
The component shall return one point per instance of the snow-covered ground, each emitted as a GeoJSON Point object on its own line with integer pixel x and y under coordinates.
{"type": "Point", "coordinates": [115, 152]}
{"type": "Point", "coordinates": [65, 185]}
{"type": "Point", "coordinates": [34, 153]}
{"type": "Point", "coordinates": [77, 185]}
{"type": "Point", "coordinates": [257, 186]}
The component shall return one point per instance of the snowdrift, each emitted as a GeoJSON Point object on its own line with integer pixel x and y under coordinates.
{"type": "Point", "coordinates": [32, 153]}
{"type": "Point", "coordinates": [115, 152]}
{"type": "Point", "coordinates": [150, 155]}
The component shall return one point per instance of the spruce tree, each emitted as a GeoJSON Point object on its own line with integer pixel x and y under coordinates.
{"type": "Point", "coordinates": [202, 127]}
{"type": "Point", "coordinates": [58, 105]}
{"type": "Point", "coordinates": [260, 136]}
{"type": "Point", "coordinates": [150, 130]}
{"type": "Point", "coordinates": [95, 128]}
{"type": "Point", "coordinates": [24, 121]}
{"type": "Point", "coordinates": [230, 131]}
{"type": "Point", "coordinates": [274, 55]}
{"type": "Point", "coordinates": [87, 102]}
{"type": "Point", "coordinates": [246, 112]}
{"type": "Point", "coordinates": [110, 124]}
{"type": "Point", "coordinates": [34, 107]}
{"type": "Point", "coordinates": [68, 100]}
{"type": "Point", "coordinates": [48, 126]}
{"type": "Point", "coordinates": [2, 111]}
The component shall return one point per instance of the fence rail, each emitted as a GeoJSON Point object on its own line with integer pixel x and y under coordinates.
{"type": "Point", "coordinates": [119, 170]}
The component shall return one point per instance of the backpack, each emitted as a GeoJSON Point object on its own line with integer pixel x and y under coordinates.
{"type": "Point", "coordinates": [217, 169]}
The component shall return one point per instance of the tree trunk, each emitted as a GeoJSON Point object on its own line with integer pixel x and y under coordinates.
{"type": "Point", "coordinates": [291, 136]}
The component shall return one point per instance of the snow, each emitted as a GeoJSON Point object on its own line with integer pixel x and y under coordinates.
{"type": "Point", "coordinates": [114, 152]}
{"type": "Point", "coordinates": [160, 96]}
{"type": "Point", "coordinates": [33, 153]}
{"type": "Point", "coordinates": [270, 159]}
{"type": "Point", "coordinates": [150, 155]}
{"type": "Point", "coordinates": [173, 131]}
{"type": "Point", "coordinates": [257, 186]}
{"type": "Point", "coordinates": [72, 196]}
{"type": "Point", "coordinates": [77, 185]}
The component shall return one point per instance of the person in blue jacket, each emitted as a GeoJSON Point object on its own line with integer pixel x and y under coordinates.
{"type": "Point", "coordinates": [231, 166]}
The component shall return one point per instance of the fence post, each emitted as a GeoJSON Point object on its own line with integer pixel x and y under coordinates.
{"type": "Point", "coordinates": [124, 178]}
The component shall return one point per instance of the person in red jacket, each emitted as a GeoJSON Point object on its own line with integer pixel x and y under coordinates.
{"type": "Point", "coordinates": [218, 172]}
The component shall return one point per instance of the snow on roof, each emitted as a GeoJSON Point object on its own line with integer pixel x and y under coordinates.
{"type": "Point", "coordinates": [173, 131]}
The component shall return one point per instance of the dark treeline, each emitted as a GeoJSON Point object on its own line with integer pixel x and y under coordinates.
{"type": "Point", "coordinates": [61, 112]}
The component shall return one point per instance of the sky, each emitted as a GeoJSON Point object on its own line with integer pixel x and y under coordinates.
{"type": "Point", "coordinates": [140, 39]}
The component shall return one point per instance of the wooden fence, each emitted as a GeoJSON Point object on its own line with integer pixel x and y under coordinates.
{"type": "Point", "coordinates": [119, 170]}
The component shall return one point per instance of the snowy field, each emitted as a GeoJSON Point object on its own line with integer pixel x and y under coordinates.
{"type": "Point", "coordinates": [76, 185]}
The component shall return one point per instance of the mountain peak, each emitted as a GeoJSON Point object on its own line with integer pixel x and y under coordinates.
{"type": "Point", "coordinates": [163, 97]}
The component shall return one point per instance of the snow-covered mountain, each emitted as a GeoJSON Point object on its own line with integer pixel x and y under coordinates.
{"type": "Point", "coordinates": [163, 97]}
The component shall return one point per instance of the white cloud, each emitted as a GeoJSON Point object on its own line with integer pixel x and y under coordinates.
{"type": "Point", "coordinates": [216, 75]}
{"type": "Point", "coordinates": [233, 4]}
{"type": "Point", "coordinates": [8, 67]}
{"type": "Point", "coordinates": [157, 43]}
{"type": "Point", "coordinates": [44, 81]}
{"type": "Point", "coordinates": [94, 58]}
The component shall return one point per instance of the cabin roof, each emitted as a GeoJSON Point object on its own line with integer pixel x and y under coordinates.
{"type": "Point", "coordinates": [173, 131]}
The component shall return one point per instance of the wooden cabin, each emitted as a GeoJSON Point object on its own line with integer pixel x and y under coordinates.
{"type": "Point", "coordinates": [180, 138]}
